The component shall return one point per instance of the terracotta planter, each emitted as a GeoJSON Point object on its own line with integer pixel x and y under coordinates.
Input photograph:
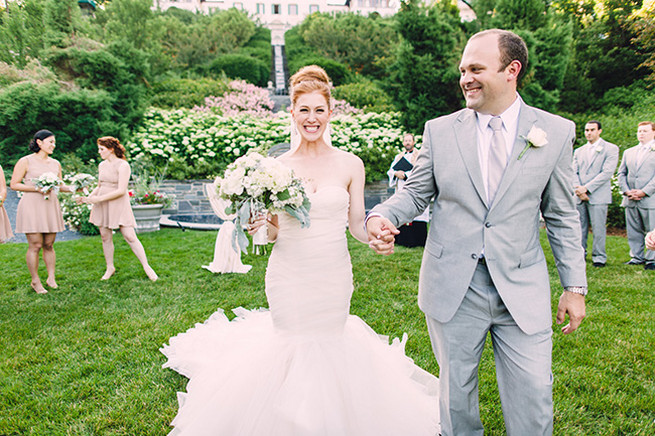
{"type": "Point", "coordinates": [147, 217]}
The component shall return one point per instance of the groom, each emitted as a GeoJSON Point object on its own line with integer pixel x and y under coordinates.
{"type": "Point", "coordinates": [493, 168]}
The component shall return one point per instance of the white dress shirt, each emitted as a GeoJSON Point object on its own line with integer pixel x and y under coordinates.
{"type": "Point", "coordinates": [510, 126]}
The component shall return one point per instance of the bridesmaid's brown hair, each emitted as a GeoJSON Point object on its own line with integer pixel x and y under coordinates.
{"type": "Point", "coordinates": [113, 144]}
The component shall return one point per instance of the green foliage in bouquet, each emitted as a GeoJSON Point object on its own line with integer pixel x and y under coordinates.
{"type": "Point", "coordinates": [254, 184]}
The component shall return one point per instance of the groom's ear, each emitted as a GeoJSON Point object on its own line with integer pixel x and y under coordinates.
{"type": "Point", "coordinates": [513, 70]}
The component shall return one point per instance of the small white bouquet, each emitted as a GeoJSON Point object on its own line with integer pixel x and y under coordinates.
{"type": "Point", "coordinates": [255, 184]}
{"type": "Point", "coordinates": [47, 182]}
{"type": "Point", "coordinates": [81, 181]}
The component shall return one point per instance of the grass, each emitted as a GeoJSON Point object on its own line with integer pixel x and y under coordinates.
{"type": "Point", "coordinates": [84, 359]}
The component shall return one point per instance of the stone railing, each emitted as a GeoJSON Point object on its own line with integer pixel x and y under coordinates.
{"type": "Point", "coordinates": [190, 198]}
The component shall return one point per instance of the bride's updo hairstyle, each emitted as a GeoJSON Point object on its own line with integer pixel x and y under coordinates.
{"type": "Point", "coordinates": [113, 144]}
{"type": "Point", "coordinates": [309, 79]}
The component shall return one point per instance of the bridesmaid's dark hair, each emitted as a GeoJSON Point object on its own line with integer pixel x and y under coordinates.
{"type": "Point", "coordinates": [40, 135]}
{"type": "Point", "coordinates": [113, 144]}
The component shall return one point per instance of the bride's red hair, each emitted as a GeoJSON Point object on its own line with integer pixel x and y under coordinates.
{"type": "Point", "coordinates": [310, 79]}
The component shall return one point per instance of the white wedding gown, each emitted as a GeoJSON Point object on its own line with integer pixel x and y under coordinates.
{"type": "Point", "coordinates": [306, 367]}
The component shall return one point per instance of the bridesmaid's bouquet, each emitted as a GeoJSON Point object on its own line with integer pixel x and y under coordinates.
{"type": "Point", "coordinates": [255, 184]}
{"type": "Point", "coordinates": [47, 182]}
{"type": "Point", "coordinates": [82, 181]}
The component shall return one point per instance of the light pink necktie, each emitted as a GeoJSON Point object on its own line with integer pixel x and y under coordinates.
{"type": "Point", "coordinates": [497, 158]}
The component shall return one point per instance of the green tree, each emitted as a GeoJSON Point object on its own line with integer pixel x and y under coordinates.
{"type": "Point", "coordinates": [363, 43]}
{"type": "Point", "coordinates": [21, 31]}
{"type": "Point", "coordinates": [61, 21]}
{"type": "Point", "coordinates": [424, 75]}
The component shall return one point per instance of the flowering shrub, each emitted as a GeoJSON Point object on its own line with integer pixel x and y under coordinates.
{"type": "Point", "coordinates": [205, 136]}
{"type": "Point", "coordinates": [342, 107]}
{"type": "Point", "coordinates": [244, 99]}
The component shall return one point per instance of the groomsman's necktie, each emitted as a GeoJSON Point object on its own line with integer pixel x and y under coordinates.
{"type": "Point", "coordinates": [497, 157]}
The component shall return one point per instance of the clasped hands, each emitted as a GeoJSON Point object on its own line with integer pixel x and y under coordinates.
{"type": "Point", "coordinates": [635, 194]}
{"type": "Point", "coordinates": [581, 192]}
{"type": "Point", "coordinates": [381, 235]}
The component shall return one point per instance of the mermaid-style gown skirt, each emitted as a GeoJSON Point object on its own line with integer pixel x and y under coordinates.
{"type": "Point", "coordinates": [306, 367]}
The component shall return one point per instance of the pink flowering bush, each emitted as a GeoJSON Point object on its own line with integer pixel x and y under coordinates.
{"type": "Point", "coordinates": [342, 107]}
{"type": "Point", "coordinates": [243, 99]}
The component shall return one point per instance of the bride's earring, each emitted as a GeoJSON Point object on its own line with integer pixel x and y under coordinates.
{"type": "Point", "coordinates": [295, 135]}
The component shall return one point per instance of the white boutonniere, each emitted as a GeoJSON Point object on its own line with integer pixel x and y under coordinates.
{"type": "Point", "coordinates": [652, 147]}
{"type": "Point", "coordinates": [536, 138]}
{"type": "Point", "coordinates": [599, 149]}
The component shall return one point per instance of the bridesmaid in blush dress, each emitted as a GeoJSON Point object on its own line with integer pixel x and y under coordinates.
{"type": "Point", "coordinates": [5, 226]}
{"type": "Point", "coordinates": [38, 218]}
{"type": "Point", "coordinates": [111, 205]}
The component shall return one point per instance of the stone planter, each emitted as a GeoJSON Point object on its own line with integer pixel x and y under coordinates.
{"type": "Point", "coordinates": [147, 217]}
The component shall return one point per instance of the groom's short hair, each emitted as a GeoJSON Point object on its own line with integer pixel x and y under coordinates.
{"type": "Point", "coordinates": [511, 47]}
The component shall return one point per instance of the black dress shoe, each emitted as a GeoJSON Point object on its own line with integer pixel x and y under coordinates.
{"type": "Point", "coordinates": [599, 264]}
{"type": "Point", "coordinates": [634, 262]}
{"type": "Point", "coordinates": [649, 266]}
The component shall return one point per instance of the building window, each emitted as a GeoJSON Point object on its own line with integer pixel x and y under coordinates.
{"type": "Point", "coordinates": [293, 9]}
{"type": "Point", "coordinates": [260, 8]}
{"type": "Point", "coordinates": [374, 3]}
{"type": "Point", "coordinates": [277, 9]}
{"type": "Point", "coordinates": [313, 8]}
{"type": "Point", "coordinates": [238, 5]}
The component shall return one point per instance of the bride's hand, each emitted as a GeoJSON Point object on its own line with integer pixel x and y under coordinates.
{"type": "Point", "coordinates": [255, 223]}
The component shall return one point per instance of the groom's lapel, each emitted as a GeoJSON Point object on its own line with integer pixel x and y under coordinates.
{"type": "Point", "coordinates": [527, 119]}
{"type": "Point", "coordinates": [466, 134]}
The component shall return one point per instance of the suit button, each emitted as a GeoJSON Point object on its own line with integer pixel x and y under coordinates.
{"type": "Point", "coordinates": [487, 225]}
{"type": "Point", "coordinates": [474, 256]}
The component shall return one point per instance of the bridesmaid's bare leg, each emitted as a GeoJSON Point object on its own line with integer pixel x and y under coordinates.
{"type": "Point", "coordinates": [50, 258]}
{"type": "Point", "coordinates": [34, 244]}
{"type": "Point", "coordinates": [137, 248]}
{"type": "Point", "coordinates": [108, 250]}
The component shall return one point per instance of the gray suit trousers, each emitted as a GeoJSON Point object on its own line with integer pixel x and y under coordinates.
{"type": "Point", "coordinates": [639, 221]}
{"type": "Point", "coordinates": [596, 215]}
{"type": "Point", "coordinates": [523, 365]}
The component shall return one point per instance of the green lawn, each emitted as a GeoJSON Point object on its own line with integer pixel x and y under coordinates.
{"type": "Point", "coordinates": [84, 359]}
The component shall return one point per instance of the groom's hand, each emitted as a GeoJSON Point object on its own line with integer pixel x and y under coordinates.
{"type": "Point", "coordinates": [574, 305]}
{"type": "Point", "coordinates": [381, 234]}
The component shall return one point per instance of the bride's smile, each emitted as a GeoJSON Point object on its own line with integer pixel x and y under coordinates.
{"type": "Point", "coordinates": [311, 114]}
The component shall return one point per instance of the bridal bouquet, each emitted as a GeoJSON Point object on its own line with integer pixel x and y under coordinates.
{"type": "Point", "coordinates": [255, 184]}
{"type": "Point", "coordinates": [47, 182]}
{"type": "Point", "coordinates": [82, 181]}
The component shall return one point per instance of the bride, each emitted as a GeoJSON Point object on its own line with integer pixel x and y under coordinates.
{"type": "Point", "coordinates": [306, 367]}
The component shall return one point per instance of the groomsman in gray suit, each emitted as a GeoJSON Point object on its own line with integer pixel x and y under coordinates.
{"type": "Point", "coordinates": [493, 169]}
{"type": "Point", "coordinates": [593, 167]}
{"type": "Point", "coordinates": [637, 183]}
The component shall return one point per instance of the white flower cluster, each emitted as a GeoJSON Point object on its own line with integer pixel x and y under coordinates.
{"type": "Point", "coordinates": [80, 181]}
{"type": "Point", "coordinates": [254, 183]}
{"type": "Point", "coordinates": [75, 215]}
{"type": "Point", "coordinates": [47, 182]}
{"type": "Point", "coordinates": [260, 179]}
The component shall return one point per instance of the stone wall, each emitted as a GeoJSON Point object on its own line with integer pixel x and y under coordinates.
{"type": "Point", "coordinates": [190, 198]}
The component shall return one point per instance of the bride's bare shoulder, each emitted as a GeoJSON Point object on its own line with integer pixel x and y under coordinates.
{"type": "Point", "coordinates": [348, 158]}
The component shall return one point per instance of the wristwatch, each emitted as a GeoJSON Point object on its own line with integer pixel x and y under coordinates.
{"type": "Point", "coordinates": [582, 290]}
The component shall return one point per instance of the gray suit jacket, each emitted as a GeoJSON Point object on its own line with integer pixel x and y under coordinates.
{"type": "Point", "coordinates": [463, 223]}
{"type": "Point", "coordinates": [593, 167]}
{"type": "Point", "coordinates": [641, 177]}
